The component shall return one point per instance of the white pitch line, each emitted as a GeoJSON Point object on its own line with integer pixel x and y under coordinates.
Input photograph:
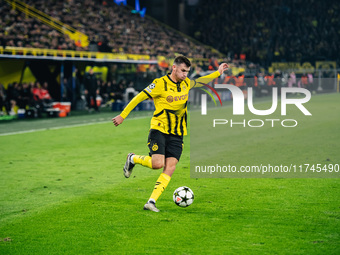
{"type": "Point", "coordinates": [93, 123]}
{"type": "Point", "coordinates": [62, 127]}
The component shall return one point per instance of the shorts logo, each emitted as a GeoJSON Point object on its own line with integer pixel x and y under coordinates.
{"type": "Point", "coordinates": [152, 86]}
{"type": "Point", "coordinates": [154, 147]}
{"type": "Point", "coordinates": [170, 99]}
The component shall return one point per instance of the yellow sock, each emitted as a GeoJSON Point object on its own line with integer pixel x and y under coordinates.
{"type": "Point", "coordinates": [160, 186]}
{"type": "Point", "coordinates": [143, 160]}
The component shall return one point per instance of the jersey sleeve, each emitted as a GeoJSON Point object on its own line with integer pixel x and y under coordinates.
{"type": "Point", "coordinates": [155, 89]}
{"type": "Point", "coordinates": [204, 79]}
{"type": "Point", "coordinates": [151, 91]}
{"type": "Point", "coordinates": [133, 103]}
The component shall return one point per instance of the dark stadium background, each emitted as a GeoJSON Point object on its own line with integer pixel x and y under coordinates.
{"type": "Point", "coordinates": [267, 43]}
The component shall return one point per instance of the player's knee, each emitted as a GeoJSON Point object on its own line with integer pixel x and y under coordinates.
{"type": "Point", "coordinates": [171, 169]}
{"type": "Point", "coordinates": [157, 164]}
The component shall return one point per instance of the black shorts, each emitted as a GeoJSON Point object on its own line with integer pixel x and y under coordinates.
{"type": "Point", "coordinates": [167, 145]}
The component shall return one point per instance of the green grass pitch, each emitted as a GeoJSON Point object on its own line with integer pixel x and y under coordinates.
{"type": "Point", "coordinates": [63, 192]}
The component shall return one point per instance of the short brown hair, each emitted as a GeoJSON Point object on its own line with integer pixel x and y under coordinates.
{"type": "Point", "coordinates": [182, 59]}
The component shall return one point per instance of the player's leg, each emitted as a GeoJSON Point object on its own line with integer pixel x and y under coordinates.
{"type": "Point", "coordinates": [95, 106]}
{"type": "Point", "coordinates": [156, 144]}
{"type": "Point", "coordinates": [88, 100]}
{"type": "Point", "coordinates": [156, 161]}
{"type": "Point", "coordinates": [173, 152]}
{"type": "Point", "coordinates": [161, 183]}
{"type": "Point", "coordinates": [164, 179]}
{"type": "Point", "coordinates": [170, 166]}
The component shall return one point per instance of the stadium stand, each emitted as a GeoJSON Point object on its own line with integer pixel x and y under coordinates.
{"type": "Point", "coordinates": [265, 31]}
{"type": "Point", "coordinates": [250, 34]}
{"type": "Point", "coordinates": [111, 28]}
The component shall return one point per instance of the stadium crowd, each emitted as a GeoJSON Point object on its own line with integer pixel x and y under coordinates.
{"type": "Point", "coordinates": [259, 31]}
{"type": "Point", "coordinates": [110, 28]}
{"type": "Point", "coordinates": [265, 31]}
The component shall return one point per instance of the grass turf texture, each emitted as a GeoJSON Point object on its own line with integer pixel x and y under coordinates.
{"type": "Point", "coordinates": [63, 192]}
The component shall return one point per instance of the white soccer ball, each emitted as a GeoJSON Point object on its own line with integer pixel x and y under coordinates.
{"type": "Point", "coordinates": [183, 196]}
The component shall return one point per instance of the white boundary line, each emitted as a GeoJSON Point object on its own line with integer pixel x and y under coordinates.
{"type": "Point", "coordinates": [67, 126]}
{"type": "Point", "coordinates": [100, 122]}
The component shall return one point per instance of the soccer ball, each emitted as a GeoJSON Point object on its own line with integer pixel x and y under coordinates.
{"type": "Point", "coordinates": [183, 196]}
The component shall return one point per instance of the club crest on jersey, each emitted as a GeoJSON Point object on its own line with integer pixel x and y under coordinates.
{"type": "Point", "coordinates": [154, 147]}
{"type": "Point", "coordinates": [152, 86]}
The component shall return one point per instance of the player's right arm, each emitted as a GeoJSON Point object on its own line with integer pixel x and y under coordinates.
{"type": "Point", "coordinates": [153, 90]}
{"type": "Point", "coordinates": [133, 103]}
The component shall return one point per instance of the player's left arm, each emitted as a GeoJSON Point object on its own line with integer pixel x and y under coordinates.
{"type": "Point", "coordinates": [208, 78]}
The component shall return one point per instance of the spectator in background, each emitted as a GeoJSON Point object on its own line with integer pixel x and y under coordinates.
{"type": "Point", "coordinates": [260, 83]}
{"type": "Point", "coordinates": [103, 91]}
{"type": "Point", "coordinates": [130, 92]}
{"type": "Point", "coordinates": [91, 90]}
{"type": "Point", "coordinates": [270, 82]}
{"type": "Point", "coordinates": [292, 80]}
{"type": "Point", "coordinates": [2, 100]}
{"type": "Point", "coordinates": [240, 82]}
{"type": "Point", "coordinates": [230, 78]}
{"type": "Point", "coordinates": [45, 94]}
{"type": "Point", "coordinates": [213, 64]}
{"type": "Point", "coordinates": [311, 85]}
{"type": "Point", "coordinates": [303, 82]}
{"type": "Point", "coordinates": [25, 96]}
{"type": "Point", "coordinates": [37, 102]}
{"type": "Point", "coordinates": [41, 97]}
{"type": "Point", "coordinates": [12, 97]}
{"type": "Point", "coordinates": [36, 91]}
{"type": "Point", "coordinates": [119, 90]}
{"type": "Point", "coordinates": [68, 90]}
{"type": "Point", "coordinates": [278, 80]}
{"type": "Point", "coordinates": [111, 90]}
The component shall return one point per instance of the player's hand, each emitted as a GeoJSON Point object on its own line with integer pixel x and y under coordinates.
{"type": "Point", "coordinates": [117, 120]}
{"type": "Point", "coordinates": [223, 67]}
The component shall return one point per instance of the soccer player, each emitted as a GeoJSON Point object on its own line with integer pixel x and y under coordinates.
{"type": "Point", "coordinates": [168, 124]}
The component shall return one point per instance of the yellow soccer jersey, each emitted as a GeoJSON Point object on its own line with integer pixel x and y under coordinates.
{"type": "Point", "coordinates": [170, 99]}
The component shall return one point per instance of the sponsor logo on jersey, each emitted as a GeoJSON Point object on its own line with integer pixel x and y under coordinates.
{"type": "Point", "coordinates": [170, 99]}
